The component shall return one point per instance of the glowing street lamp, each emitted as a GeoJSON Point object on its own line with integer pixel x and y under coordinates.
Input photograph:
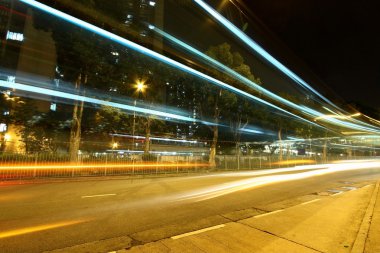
{"type": "Point", "coordinates": [140, 88]}
{"type": "Point", "coordinates": [7, 137]}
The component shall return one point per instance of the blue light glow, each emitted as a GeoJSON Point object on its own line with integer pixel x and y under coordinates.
{"type": "Point", "coordinates": [152, 54]}
{"type": "Point", "coordinates": [54, 93]}
{"type": "Point", "coordinates": [252, 44]}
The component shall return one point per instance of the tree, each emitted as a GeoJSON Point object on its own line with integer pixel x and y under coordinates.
{"type": "Point", "coordinates": [224, 102]}
{"type": "Point", "coordinates": [86, 59]}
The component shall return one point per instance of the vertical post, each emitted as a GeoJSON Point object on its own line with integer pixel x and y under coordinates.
{"type": "Point", "coordinates": [157, 164]}
{"type": "Point", "coordinates": [270, 162]}
{"type": "Point", "coordinates": [260, 161]}
{"type": "Point", "coordinates": [249, 162]}
{"type": "Point", "coordinates": [35, 163]}
{"type": "Point", "coordinates": [225, 162]}
{"type": "Point", "coordinates": [177, 163]}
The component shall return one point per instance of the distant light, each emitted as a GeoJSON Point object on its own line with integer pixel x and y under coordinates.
{"type": "Point", "coordinates": [115, 145]}
{"type": "Point", "coordinates": [152, 3]}
{"type": "Point", "coordinates": [151, 27]}
{"type": "Point", "coordinates": [7, 137]}
{"type": "Point", "coordinates": [53, 107]}
{"type": "Point", "coordinates": [251, 131]}
{"type": "Point", "coordinates": [154, 138]}
{"type": "Point", "coordinates": [15, 36]}
{"type": "Point", "coordinates": [140, 86]}
{"type": "Point", "coordinates": [3, 127]}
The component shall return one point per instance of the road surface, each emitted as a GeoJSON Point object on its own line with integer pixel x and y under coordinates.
{"type": "Point", "coordinates": [48, 216]}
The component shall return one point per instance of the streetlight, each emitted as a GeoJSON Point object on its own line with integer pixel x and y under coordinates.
{"type": "Point", "coordinates": [140, 88]}
{"type": "Point", "coordinates": [115, 145]}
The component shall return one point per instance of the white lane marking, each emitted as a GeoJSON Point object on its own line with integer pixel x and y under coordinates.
{"type": "Point", "coordinates": [351, 188]}
{"type": "Point", "coordinates": [311, 201]}
{"type": "Point", "coordinates": [367, 185]}
{"type": "Point", "coordinates": [100, 195]}
{"type": "Point", "coordinates": [265, 214]}
{"type": "Point", "coordinates": [338, 193]}
{"type": "Point", "coordinates": [198, 231]}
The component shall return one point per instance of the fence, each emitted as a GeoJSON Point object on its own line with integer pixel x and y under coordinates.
{"type": "Point", "coordinates": [44, 165]}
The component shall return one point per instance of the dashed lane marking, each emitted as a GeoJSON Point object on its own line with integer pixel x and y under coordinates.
{"type": "Point", "coordinates": [198, 231]}
{"type": "Point", "coordinates": [265, 214]}
{"type": "Point", "coordinates": [311, 201]}
{"type": "Point", "coordinates": [100, 195]}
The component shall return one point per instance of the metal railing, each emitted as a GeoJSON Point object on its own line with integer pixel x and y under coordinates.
{"type": "Point", "coordinates": [49, 165]}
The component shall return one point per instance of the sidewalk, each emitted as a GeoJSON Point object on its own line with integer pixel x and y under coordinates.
{"type": "Point", "coordinates": [348, 222]}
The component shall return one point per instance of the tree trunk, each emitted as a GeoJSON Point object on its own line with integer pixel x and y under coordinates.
{"type": "Point", "coordinates": [324, 152]}
{"type": "Point", "coordinates": [280, 144]}
{"type": "Point", "coordinates": [213, 145]}
{"type": "Point", "coordinates": [76, 123]}
{"type": "Point", "coordinates": [147, 135]}
{"type": "Point", "coordinates": [215, 131]}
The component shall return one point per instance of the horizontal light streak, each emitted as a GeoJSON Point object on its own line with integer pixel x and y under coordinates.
{"type": "Point", "coordinates": [28, 230]}
{"type": "Point", "coordinates": [294, 162]}
{"type": "Point", "coordinates": [153, 138]}
{"type": "Point", "coordinates": [327, 116]}
{"type": "Point", "coordinates": [250, 183]}
{"type": "Point", "coordinates": [60, 94]}
{"type": "Point", "coordinates": [97, 165]}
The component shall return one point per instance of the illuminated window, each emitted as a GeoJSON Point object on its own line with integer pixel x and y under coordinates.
{"type": "Point", "coordinates": [11, 79]}
{"type": "Point", "coordinates": [3, 127]}
{"type": "Point", "coordinates": [15, 36]}
{"type": "Point", "coordinates": [53, 107]}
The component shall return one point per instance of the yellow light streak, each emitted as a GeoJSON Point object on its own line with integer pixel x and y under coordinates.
{"type": "Point", "coordinates": [294, 162]}
{"type": "Point", "coordinates": [89, 166]}
{"type": "Point", "coordinates": [28, 230]}
{"type": "Point", "coordinates": [338, 116]}
{"type": "Point", "coordinates": [250, 183]}
{"type": "Point", "coordinates": [353, 132]}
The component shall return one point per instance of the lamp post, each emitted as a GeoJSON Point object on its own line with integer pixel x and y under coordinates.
{"type": "Point", "coordinates": [140, 88]}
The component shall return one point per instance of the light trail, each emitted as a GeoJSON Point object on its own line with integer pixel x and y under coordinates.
{"type": "Point", "coordinates": [233, 73]}
{"type": "Point", "coordinates": [294, 162]}
{"type": "Point", "coordinates": [171, 62]}
{"type": "Point", "coordinates": [32, 166]}
{"type": "Point", "coordinates": [65, 95]}
{"type": "Point", "coordinates": [250, 183]}
{"type": "Point", "coordinates": [154, 138]}
{"type": "Point", "coordinates": [152, 54]}
{"type": "Point", "coordinates": [28, 230]}
{"type": "Point", "coordinates": [223, 67]}
{"type": "Point", "coordinates": [257, 48]}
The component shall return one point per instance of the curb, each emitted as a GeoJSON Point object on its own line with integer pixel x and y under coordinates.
{"type": "Point", "coordinates": [361, 238]}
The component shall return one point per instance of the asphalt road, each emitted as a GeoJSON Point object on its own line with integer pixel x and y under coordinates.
{"type": "Point", "coordinates": [47, 216]}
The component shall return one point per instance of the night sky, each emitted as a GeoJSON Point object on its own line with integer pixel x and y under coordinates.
{"type": "Point", "coordinates": [338, 40]}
